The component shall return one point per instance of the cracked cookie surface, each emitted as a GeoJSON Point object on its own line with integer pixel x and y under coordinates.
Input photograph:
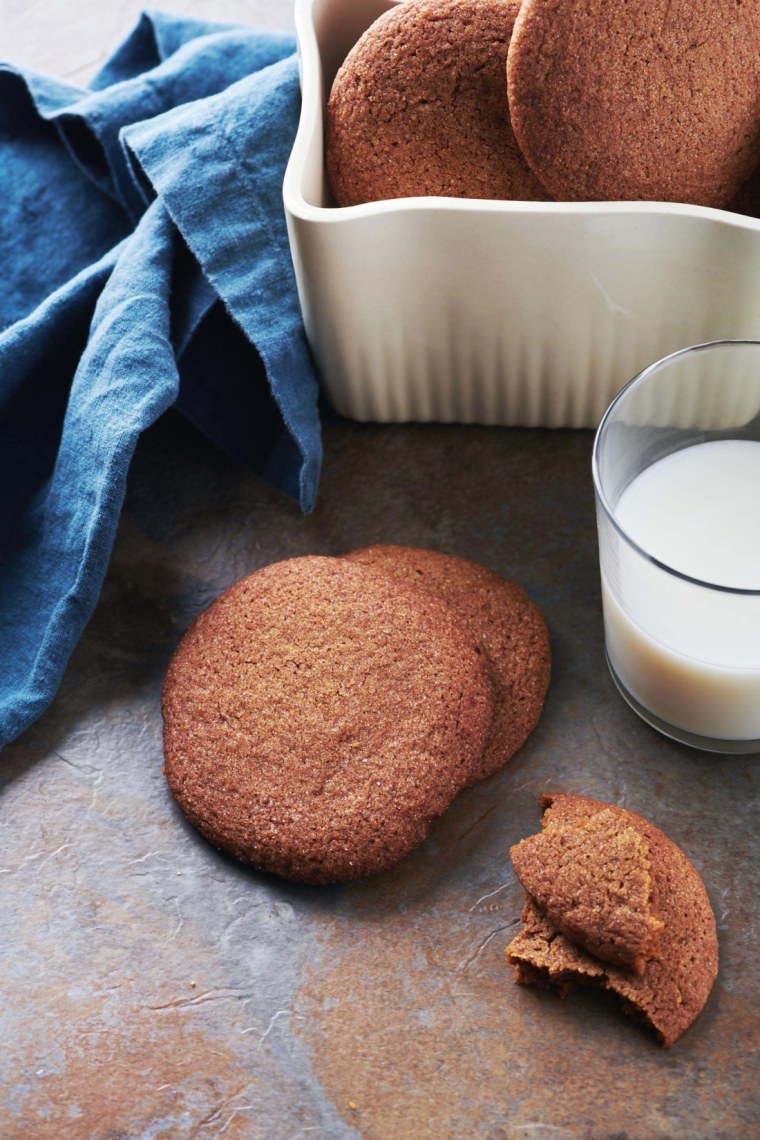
{"type": "Point", "coordinates": [419, 107]}
{"type": "Point", "coordinates": [318, 716]}
{"type": "Point", "coordinates": [637, 99]}
{"type": "Point", "coordinates": [671, 990]}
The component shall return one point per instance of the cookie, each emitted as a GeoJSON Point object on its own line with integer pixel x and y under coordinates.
{"type": "Point", "coordinates": [419, 107]}
{"type": "Point", "coordinates": [318, 716]}
{"type": "Point", "coordinates": [674, 985]}
{"type": "Point", "coordinates": [593, 882]}
{"type": "Point", "coordinates": [504, 620]}
{"type": "Point", "coordinates": [637, 99]}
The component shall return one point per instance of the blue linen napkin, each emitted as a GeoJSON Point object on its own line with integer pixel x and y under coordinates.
{"type": "Point", "coordinates": [141, 223]}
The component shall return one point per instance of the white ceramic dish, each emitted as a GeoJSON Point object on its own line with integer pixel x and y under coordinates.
{"type": "Point", "coordinates": [513, 313]}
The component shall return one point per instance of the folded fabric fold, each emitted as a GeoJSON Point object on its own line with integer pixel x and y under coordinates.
{"type": "Point", "coordinates": [143, 225]}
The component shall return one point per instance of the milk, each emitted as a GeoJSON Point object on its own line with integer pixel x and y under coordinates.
{"type": "Point", "coordinates": [690, 653]}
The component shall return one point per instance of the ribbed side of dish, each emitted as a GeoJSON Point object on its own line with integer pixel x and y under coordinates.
{"type": "Point", "coordinates": [459, 372]}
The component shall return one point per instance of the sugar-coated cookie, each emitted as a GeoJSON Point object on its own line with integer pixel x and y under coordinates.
{"type": "Point", "coordinates": [419, 107]}
{"type": "Point", "coordinates": [637, 99]}
{"type": "Point", "coordinates": [318, 716]}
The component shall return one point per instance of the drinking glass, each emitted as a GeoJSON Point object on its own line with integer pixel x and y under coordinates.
{"type": "Point", "coordinates": [682, 620]}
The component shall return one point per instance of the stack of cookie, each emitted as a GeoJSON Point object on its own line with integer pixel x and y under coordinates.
{"type": "Point", "coordinates": [612, 902]}
{"type": "Point", "coordinates": [574, 100]}
{"type": "Point", "coordinates": [323, 711]}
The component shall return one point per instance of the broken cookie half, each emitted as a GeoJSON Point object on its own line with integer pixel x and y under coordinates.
{"type": "Point", "coordinates": [612, 902]}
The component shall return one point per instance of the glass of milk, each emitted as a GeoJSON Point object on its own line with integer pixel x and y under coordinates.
{"type": "Point", "coordinates": [676, 470]}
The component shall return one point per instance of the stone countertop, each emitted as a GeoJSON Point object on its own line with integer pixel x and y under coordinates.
{"type": "Point", "coordinates": [153, 988]}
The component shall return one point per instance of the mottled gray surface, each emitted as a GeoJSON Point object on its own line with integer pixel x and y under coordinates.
{"type": "Point", "coordinates": [152, 988]}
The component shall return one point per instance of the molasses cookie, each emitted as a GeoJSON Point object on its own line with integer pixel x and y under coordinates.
{"type": "Point", "coordinates": [637, 99]}
{"type": "Point", "coordinates": [505, 622]}
{"type": "Point", "coordinates": [593, 881]}
{"type": "Point", "coordinates": [419, 107]}
{"type": "Point", "coordinates": [673, 986]}
{"type": "Point", "coordinates": [319, 715]}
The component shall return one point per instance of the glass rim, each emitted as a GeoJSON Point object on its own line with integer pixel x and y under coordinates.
{"type": "Point", "coordinates": [601, 497]}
